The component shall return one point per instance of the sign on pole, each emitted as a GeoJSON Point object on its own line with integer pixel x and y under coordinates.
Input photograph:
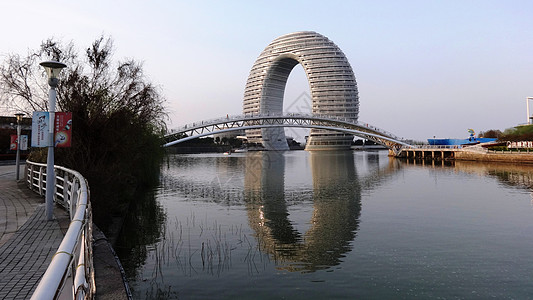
{"type": "Point", "coordinates": [62, 126]}
{"type": "Point", "coordinates": [39, 129]}
{"type": "Point", "coordinates": [14, 143]}
{"type": "Point", "coordinates": [63, 129]}
{"type": "Point", "coordinates": [23, 142]}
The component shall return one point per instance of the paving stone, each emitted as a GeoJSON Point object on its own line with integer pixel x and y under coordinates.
{"type": "Point", "coordinates": [27, 241]}
{"type": "Point", "coordinates": [27, 249]}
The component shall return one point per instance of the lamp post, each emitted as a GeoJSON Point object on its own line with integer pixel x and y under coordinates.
{"type": "Point", "coordinates": [17, 163]}
{"type": "Point", "coordinates": [53, 68]}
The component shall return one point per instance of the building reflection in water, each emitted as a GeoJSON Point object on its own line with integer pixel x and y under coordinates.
{"type": "Point", "coordinates": [336, 198]}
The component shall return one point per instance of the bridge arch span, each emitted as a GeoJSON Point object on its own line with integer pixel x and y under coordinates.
{"type": "Point", "coordinates": [331, 81]}
{"type": "Point", "coordinates": [324, 123]}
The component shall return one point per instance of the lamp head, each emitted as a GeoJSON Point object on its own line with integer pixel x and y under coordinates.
{"type": "Point", "coordinates": [19, 116]}
{"type": "Point", "coordinates": [53, 68]}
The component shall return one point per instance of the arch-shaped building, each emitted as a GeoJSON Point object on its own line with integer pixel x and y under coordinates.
{"type": "Point", "coordinates": [331, 81]}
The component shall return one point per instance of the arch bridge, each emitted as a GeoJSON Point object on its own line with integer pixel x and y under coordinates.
{"type": "Point", "coordinates": [243, 122]}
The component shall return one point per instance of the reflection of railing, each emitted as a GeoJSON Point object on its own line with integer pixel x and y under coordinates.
{"type": "Point", "coordinates": [74, 255]}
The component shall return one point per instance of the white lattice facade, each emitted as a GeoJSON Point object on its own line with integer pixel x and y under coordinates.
{"type": "Point", "coordinates": [331, 80]}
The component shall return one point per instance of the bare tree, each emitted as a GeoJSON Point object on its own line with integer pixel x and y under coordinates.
{"type": "Point", "coordinates": [118, 115]}
{"type": "Point", "coordinates": [23, 83]}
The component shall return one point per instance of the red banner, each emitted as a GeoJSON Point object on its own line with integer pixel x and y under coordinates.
{"type": "Point", "coordinates": [14, 143]}
{"type": "Point", "coordinates": [63, 129]}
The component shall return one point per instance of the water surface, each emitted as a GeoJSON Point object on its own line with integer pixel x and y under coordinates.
{"type": "Point", "coordinates": [331, 225]}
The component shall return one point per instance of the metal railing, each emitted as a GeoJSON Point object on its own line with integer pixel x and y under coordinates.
{"type": "Point", "coordinates": [526, 151]}
{"type": "Point", "coordinates": [233, 122]}
{"type": "Point", "coordinates": [71, 272]}
{"type": "Point", "coordinates": [438, 147]}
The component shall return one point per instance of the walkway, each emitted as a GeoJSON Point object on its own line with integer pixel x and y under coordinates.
{"type": "Point", "coordinates": [27, 241]}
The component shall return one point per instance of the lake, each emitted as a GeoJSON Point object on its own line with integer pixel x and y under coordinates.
{"type": "Point", "coordinates": [330, 225]}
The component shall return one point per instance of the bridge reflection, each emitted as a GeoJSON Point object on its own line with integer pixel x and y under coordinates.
{"type": "Point", "coordinates": [336, 199]}
{"type": "Point", "coordinates": [330, 207]}
{"type": "Point", "coordinates": [332, 204]}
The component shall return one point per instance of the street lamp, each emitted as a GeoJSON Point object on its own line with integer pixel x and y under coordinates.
{"type": "Point", "coordinates": [19, 118]}
{"type": "Point", "coordinates": [53, 68]}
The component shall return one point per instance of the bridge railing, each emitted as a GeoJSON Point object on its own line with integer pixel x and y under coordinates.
{"type": "Point", "coordinates": [438, 147]}
{"type": "Point", "coordinates": [70, 274]}
{"type": "Point", "coordinates": [383, 131]}
{"type": "Point", "coordinates": [234, 118]}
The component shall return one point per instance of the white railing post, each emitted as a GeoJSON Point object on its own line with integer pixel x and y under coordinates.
{"type": "Point", "coordinates": [73, 197]}
{"type": "Point", "coordinates": [41, 179]}
{"type": "Point", "coordinates": [29, 176]}
{"type": "Point", "coordinates": [65, 188]}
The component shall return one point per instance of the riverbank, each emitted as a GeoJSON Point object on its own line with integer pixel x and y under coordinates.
{"type": "Point", "coordinates": [503, 156]}
{"type": "Point", "coordinates": [473, 153]}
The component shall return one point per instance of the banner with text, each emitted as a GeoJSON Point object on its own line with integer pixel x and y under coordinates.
{"type": "Point", "coordinates": [40, 132]}
{"type": "Point", "coordinates": [63, 129]}
{"type": "Point", "coordinates": [13, 144]}
{"type": "Point", "coordinates": [23, 142]}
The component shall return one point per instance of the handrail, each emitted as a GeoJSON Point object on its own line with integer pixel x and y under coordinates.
{"type": "Point", "coordinates": [73, 260]}
{"type": "Point", "coordinates": [258, 116]}
{"type": "Point", "coordinates": [438, 147]}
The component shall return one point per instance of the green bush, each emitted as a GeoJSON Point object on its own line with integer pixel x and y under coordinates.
{"type": "Point", "coordinates": [519, 133]}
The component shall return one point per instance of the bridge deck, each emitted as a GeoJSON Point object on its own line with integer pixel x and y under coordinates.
{"type": "Point", "coordinates": [261, 121]}
{"type": "Point", "coordinates": [27, 241]}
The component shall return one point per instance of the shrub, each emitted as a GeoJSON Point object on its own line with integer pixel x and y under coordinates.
{"type": "Point", "coordinates": [118, 117]}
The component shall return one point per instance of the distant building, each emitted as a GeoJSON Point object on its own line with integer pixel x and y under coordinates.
{"type": "Point", "coordinates": [8, 127]}
{"type": "Point", "coordinates": [331, 79]}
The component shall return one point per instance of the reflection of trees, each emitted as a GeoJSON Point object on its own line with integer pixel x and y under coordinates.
{"type": "Point", "coordinates": [508, 174]}
{"type": "Point", "coordinates": [517, 175]}
{"type": "Point", "coordinates": [336, 210]}
{"type": "Point", "coordinates": [143, 226]}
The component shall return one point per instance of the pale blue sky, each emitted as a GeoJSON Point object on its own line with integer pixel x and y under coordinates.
{"type": "Point", "coordinates": [424, 68]}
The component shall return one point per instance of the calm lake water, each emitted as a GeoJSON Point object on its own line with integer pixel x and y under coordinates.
{"type": "Point", "coordinates": [331, 225]}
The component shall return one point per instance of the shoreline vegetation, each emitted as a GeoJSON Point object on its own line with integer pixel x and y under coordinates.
{"type": "Point", "coordinates": [118, 120]}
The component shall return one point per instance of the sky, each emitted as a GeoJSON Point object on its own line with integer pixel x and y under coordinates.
{"type": "Point", "coordinates": [424, 68]}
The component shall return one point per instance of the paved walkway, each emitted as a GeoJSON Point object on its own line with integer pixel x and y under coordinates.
{"type": "Point", "coordinates": [27, 241]}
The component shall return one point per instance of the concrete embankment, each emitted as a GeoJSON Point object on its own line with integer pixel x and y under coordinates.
{"type": "Point", "coordinates": [109, 276]}
{"type": "Point", "coordinates": [474, 153]}
{"type": "Point", "coordinates": [510, 157]}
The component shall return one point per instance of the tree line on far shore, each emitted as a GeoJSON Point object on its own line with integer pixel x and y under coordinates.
{"type": "Point", "coordinates": [515, 134]}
